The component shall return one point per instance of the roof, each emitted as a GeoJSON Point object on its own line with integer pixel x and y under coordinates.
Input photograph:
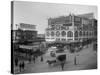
{"type": "Point", "coordinates": [28, 47]}
{"type": "Point", "coordinates": [27, 26]}
{"type": "Point", "coordinates": [87, 15]}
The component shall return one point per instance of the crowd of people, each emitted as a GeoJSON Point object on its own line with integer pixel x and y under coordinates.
{"type": "Point", "coordinates": [21, 63]}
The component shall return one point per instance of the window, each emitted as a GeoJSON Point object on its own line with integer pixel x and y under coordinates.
{"type": "Point", "coordinates": [52, 27]}
{"type": "Point", "coordinates": [84, 33]}
{"type": "Point", "coordinates": [69, 34]}
{"type": "Point", "coordinates": [87, 33]}
{"type": "Point", "coordinates": [63, 27]}
{"type": "Point", "coordinates": [69, 24]}
{"type": "Point", "coordinates": [90, 33]}
{"type": "Point", "coordinates": [63, 33]}
{"type": "Point", "coordinates": [57, 27]}
{"type": "Point", "coordinates": [69, 39]}
{"type": "Point", "coordinates": [80, 33]}
{"type": "Point", "coordinates": [57, 39]}
{"type": "Point", "coordinates": [76, 38]}
{"type": "Point", "coordinates": [57, 33]}
{"type": "Point", "coordinates": [77, 19]}
{"type": "Point", "coordinates": [63, 39]}
{"type": "Point", "coordinates": [52, 33]}
{"type": "Point", "coordinates": [76, 33]}
{"type": "Point", "coordinates": [77, 24]}
{"type": "Point", "coordinates": [48, 34]}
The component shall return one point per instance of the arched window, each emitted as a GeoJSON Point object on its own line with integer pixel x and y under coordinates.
{"type": "Point", "coordinates": [63, 33]}
{"type": "Point", "coordinates": [52, 33]}
{"type": "Point", "coordinates": [80, 33]}
{"type": "Point", "coordinates": [48, 33]}
{"type": "Point", "coordinates": [76, 33]}
{"type": "Point", "coordinates": [57, 33]}
{"type": "Point", "coordinates": [69, 34]}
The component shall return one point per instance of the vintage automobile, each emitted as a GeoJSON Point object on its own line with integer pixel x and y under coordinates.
{"type": "Point", "coordinates": [59, 58]}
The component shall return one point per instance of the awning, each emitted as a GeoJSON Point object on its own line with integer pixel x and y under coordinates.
{"type": "Point", "coordinates": [28, 47]}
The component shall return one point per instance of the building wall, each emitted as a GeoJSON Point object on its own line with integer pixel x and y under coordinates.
{"type": "Point", "coordinates": [25, 32]}
{"type": "Point", "coordinates": [75, 29]}
{"type": "Point", "coordinates": [26, 35]}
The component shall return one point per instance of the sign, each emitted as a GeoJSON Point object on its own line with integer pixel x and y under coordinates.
{"type": "Point", "coordinates": [27, 26]}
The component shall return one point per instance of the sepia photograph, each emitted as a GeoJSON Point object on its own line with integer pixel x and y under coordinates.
{"type": "Point", "coordinates": [53, 37]}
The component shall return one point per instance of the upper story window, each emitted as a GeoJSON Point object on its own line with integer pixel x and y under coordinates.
{"type": "Point", "coordinates": [63, 33]}
{"type": "Point", "coordinates": [63, 27]}
{"type": "Point", "coordinates": [57, 27]}
{"type": "Point", "coordinates": [48, 33]}
{"type": "Point", "coordinates": [69, 34]}
{"type": "Point", "coordinates": [68, 24]}
{"type": "Point", "coordinates": [53, 27]}
{"type": "Point", "coordinates": [76, 33]}
{"type": "Point", "coordinates": [83, 33]}
{"type": "Point", "coordinates": [57, 33]}
{"type": "Point", "coordinates": [77, 19]}
{"type": "Point", "coordinates": [63, 39]}
{"type": "Point", "coordinates": [52, 33]}
{"type": "Point", "coordinates": [87, 33]}
{"type": "Point", "coordinates": [80, 33]}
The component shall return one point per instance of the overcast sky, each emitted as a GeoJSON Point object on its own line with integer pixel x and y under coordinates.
{"type": "Point", "coordinates": [38, 13]}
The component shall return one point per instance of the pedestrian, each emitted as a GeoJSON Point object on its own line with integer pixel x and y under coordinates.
{"type": "Point", "coordinates": [34, 59]}
{"type": "Point", "coordinates": [23, 65]}
{"type": "Point", "coordinates": [29, 59]}
{"type": "Point", "coordinates": [20, 66]}
{"type": "Point", "coordinates": [16, 61]}
{"type": "Point", "coordinates": [62, 65]}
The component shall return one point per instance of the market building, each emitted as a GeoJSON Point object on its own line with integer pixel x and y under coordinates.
{"type": "Point", "coordinates": [71, 28]}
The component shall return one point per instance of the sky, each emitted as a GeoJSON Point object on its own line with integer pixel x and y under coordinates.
{"type": "Point", "coordinates": [37, 13]}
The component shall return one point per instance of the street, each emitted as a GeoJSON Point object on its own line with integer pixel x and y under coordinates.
{"type": "Point", "coordinates": [85, 59]}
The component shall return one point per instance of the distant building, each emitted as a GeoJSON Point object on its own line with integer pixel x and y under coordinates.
{"type": "Point", "coordinates": [41, 37]}
{"type": "Point", "coordinates": [25, 33]}
{"type": "Point", "coordinates": [71, 28]}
